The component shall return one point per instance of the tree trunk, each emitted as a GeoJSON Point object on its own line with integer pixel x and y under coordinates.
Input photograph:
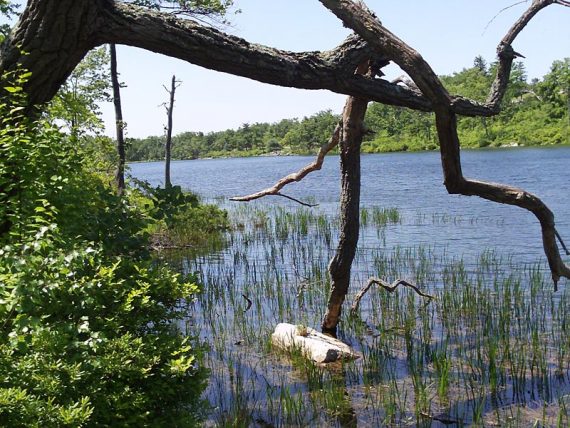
{"type": "Point", "coordinates": [168, 145]}
{"type": "Point", "coordinates": [51, 38]}
{"type": "Point", "coordinates": [120, 174]}
{"type": "Point", "coordinates": [339, 267]}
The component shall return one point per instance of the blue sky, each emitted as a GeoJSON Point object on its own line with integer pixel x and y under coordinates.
{"type": "Point", "coordinates": [448, 33]}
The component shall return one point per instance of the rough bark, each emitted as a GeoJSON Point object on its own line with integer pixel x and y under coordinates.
{"type": "Point", "coordinates": [119, 124]}
{"type": "Point", "coordinates": [58, 33]}
{"type": "Point", "coordinates": [50, 39]}
{"type": "Point", "coordinates": [352, 132]}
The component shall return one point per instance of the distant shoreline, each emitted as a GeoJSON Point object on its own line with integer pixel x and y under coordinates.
{"type": "Point", "coordinates": [277, 154]}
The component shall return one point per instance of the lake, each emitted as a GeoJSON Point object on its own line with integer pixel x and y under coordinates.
{"type": "Point", "coordinates": [491, 349]}
{"type": "Point", "coordinates": [410, 182]}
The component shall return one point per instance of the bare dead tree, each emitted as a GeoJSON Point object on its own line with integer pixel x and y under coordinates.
{"type": "Point", "coordinates": [119, 124]}
{"type": "Point", "coordinates": [168, 143]}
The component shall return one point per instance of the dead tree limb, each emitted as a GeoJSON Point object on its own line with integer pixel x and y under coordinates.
{"type": "Point", "coordinates": [291, 198]}
{"type": "Point", "coordinates": [363, 22]}
{"type": "Point", "coordinates": [168, 143]}
{"type": "Point", "coordinates": [506, 53]}
{"type": "Point", "coordinates": [388, 287]}
{"type": "Point", "coordinates": [98, 22]}
{"type": "Point", "coordinates": [119, 123]}
{"type": "Point", "coordinates": [316, 165]}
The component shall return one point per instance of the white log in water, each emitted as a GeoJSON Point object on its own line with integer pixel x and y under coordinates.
{"type": "Point", "coordinates": [314, 345]}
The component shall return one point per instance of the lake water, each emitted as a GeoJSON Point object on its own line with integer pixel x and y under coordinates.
{"type": "Point", "coordinates": [410, 182]}
{"type": "Point", "coordinates": [462, 249]}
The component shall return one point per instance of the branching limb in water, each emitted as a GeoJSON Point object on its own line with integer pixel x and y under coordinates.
{"type": "Point", "coordinates": [296, 176]}
{"type": "Point", "coordinates": [388, 287]}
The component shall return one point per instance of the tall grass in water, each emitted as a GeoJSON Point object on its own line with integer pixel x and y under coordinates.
{"type": "Point", "coordinates": [492, 349]}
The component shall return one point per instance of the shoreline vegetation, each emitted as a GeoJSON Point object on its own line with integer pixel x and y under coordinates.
{"type": "Point", "coordinates": [92, 324]}
{"type": "Point", "coordinates": [534, 113]}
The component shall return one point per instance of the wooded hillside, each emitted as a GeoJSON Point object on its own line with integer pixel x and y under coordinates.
{"type": "Point", "coordinates": [534, 113]}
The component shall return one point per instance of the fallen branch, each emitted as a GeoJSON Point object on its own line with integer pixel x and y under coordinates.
{"type": "Point", "coordinates": [249, 302]}
{"type": "Point", "coordinates": [296, 176]}
{"type": "Point", "coordinates": [388, 287]}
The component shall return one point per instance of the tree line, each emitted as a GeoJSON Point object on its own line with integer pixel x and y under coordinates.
{"type": "Point", "coordinates": [534, 112]}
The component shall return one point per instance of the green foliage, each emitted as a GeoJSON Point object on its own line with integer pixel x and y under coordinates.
{"type": "Point", "coordinates": [89, 323]}
{"type": "Point", "coordinates": [7, 9]}
{"type": "Point", "coordinates": [286, 136]}
{"type": "Point", "coordinates": [211, 10]}
{"type": "Point", "coordinates": [555, 89]}
{"type": "Point", "coordinates": [532, 113]}
{"type": "Point", "coordinates": [77, 101]}
{"type": "Point", "coordinates": [88, 339]}
{"type": "Point", "coordinates": [181, 219]}
{"type": "Point", "coordinates": [311, 133]}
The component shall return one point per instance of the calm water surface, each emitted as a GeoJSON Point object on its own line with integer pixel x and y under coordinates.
{"type": "Point", "coordinates": [283, 276]}
{"type": "Point", "coordinates": [412, 183]}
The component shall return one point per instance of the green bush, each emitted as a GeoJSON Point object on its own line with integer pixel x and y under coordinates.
{"type": "Point", "coordinates": [89, 331]}
{"type": "Point", "coordinates": [89, 339]}
{"type": "Point", "coordinates": [181, 220]}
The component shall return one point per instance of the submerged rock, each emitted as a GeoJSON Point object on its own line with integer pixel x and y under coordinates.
{"type": "Point", "coordinates": [314, 345]}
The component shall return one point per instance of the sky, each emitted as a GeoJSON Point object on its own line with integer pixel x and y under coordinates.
{"type": "Point", "coordinates": [447, 33]}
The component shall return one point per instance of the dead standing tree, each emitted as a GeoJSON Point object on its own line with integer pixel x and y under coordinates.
{"type": "Point", "coordinates": [119, 123]}
{"type": "Point", "coordinates": [174, 84]}
{"type": "Point", "coordinates": [52, 36]}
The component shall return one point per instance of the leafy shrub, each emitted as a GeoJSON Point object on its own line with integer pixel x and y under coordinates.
{"type": "Point", "coordinates": [181, 219]}
{"type": "Point", "coordinates": [89, 339]}
{"type": "Point", "coordinates": [89, 331]}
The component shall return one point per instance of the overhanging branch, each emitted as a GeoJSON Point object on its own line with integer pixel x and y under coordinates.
{"type": "Point", "coordinates": [299, 175]}
{"type": "Point", "coordinates": [364, 23]}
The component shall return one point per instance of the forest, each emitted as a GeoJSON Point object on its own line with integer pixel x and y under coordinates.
{"type": "Point", "coordinates": [534, 113]}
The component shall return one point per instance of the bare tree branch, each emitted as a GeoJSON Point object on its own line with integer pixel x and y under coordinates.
{"type": "Point", "coordinates": [386, 286]}
{"type": "Point", "coordinates": [306, 204]}
{"type": "Point", "coordinates": [501, 11]}
{"type": "Point", "coordinates": [370, 29]}
{"type": "Point", "coordinates": [102, 21]}
{"type": "Point", "coordinates": [506, 53]}
{"type": "Point", "coordinates": [299, 175]}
